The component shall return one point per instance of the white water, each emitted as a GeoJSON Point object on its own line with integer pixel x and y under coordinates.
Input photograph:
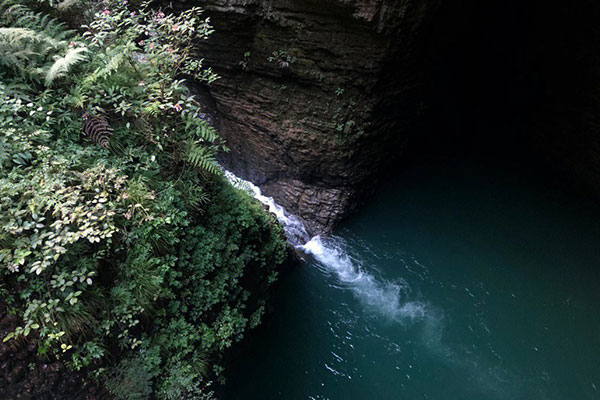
{"type": "Point", "coordinates": [382, 296]}
{"type": "Point", "coordinates": [294, 228]}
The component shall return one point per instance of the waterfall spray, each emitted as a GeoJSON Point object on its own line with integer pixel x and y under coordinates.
{"type": "Point", "coordinates": [382, 296]}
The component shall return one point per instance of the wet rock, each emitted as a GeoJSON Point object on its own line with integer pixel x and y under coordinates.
{"type": "Point", "coordinates": [306, 91]}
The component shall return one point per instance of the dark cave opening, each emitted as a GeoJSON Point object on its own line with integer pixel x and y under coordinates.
{"type": "Point", "coordinates": [510, 80]}
{"type": "Point", "coordinates": [481, 83]}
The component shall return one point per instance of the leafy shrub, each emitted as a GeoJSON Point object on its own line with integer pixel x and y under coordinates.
{"type": "Point", "coordinates": [135, 250]}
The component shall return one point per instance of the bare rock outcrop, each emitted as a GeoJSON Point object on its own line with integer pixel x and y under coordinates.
{"type": "Point", "coordinates": [305, 92]}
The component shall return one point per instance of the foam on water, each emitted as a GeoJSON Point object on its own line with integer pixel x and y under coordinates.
{"type": "Point", "coordinates": [382, 296]}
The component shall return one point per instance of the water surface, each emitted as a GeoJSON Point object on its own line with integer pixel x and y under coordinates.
{"type": "Point", "coordinates": [460, 280]}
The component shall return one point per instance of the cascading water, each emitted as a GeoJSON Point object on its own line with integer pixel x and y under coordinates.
{"type": "Point", "coordinates": [458, 282]}
{"type": "Point", "coordinates": [294, 228]}
{"type": "Point", "coordinates": [383, 297]}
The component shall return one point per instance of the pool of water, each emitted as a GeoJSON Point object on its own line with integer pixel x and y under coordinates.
{"type": "Point", "coordinates": [460, 280]}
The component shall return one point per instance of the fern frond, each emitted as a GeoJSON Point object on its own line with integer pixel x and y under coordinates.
{"type": "Point", "coordinates": [17, 39]}
{"type": "Point", "coordinates": [16, 14]}
{"type": "Point", "coordinates": [203, 157]}
{"type": "Point", "coordinates": [113, 62]}
{"type": "Point", "coordinates": [97, 129]}
{"type": "Point", "coordinates": [28, 39]}
{"type": "Point", "coordinates": [18, 47]}
{"type": "Point", "coordinates": [67, 5]}
{"type": "Point", "coordinates": [200, 128]}
{"type": "Point", "coordinates": [62, 65]}
{"type": "Point", "coordinates": [17, 90]}
{"type": "Point", "coordinates": [17, 35]}
{"type": "Point", "coordinates": [195, 197]}
{"type": "Point", "coordinates": [208, 133]}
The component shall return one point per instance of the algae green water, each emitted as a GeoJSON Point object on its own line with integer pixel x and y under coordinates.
{"type": "Point", "coordinates": [460, 280]}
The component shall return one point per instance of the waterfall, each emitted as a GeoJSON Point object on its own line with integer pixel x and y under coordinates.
{"type": "Point", "coordinates": [382, 296]}
{"type": "Point", "coordinates": [294, 228]}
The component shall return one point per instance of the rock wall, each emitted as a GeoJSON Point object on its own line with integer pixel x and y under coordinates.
{"type": "Point", "coordinates": [316, 95]}
{"type": "Point", "coordinates": [306, 92]}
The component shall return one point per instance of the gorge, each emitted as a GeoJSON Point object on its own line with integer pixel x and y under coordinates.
{"type": "Point", "coordinates": [299, 199]}
{"type": "Point", "coordinates": [471, 275]}
{"type": "Point", "coordinates": [317, 97]}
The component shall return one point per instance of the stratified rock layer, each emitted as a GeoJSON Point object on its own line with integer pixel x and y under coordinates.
{"type": "Point", "coordinates": [306, 92]}
{"type": "Point", "coordinates": [316, 95]}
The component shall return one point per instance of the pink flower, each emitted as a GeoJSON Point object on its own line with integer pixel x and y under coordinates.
{"type": "Point", "coordinates": [178, 107]}
{"type": "Point", "coordinates": [142, 83]}
{"type": "Point", "coordinates": [151, 46]}
{"type": "Point", "coordinates": [175, 27]}
{"type": "Point", "coordinates": [132, 14]}
{"type": "Point", "coordinates": [72, 44]}
{"type": "Point", "coordinates": [141, 43]}
{"type": "Point", "coordinates": [160, 15]}
{"type": "Point", "coordinates": [106, 12]}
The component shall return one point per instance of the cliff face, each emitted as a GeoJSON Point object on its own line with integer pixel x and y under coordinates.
{"type": "Point", "coordinates": [305, 94]}
{"type": "Point", "coordinates": [316, 95]}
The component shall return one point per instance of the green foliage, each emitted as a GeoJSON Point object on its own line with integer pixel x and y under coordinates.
{"type": "Point", "coordinates": [199, 156]}
{"type": "Point", "coordinates": [62, 65]}
{"type": "Point", "coordinates": [125, 252]}
{"type": "Point", "coordinates": [344, 117]}
{"type": "Point", "coordinates": [30, 40]}
{"type": "Point", "coordinates": [282, 59]}
{"type": "Point", "coordinates": [132, 378]}
{"type": "Point", "coordinates": [244, 62]}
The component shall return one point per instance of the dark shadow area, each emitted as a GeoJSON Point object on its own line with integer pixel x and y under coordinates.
{"type": "Point", "coordinates": [482, 84]}
{"type": "Point", "coordinates": [513, 84]}
{"type": "Point", "coordinates": [504, 76]}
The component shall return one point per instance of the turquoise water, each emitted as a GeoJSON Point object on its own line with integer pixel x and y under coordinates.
{"type": "Point", "coordinates": [459, 280]}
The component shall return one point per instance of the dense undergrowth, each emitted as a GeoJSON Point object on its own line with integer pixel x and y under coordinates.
{"type": "Point", "coordinates": [124, 251]}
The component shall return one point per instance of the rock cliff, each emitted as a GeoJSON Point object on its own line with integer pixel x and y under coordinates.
{"type": "Point", "coordinates": [316, 95]}
{"type": "Point", "coordinates": [305, 94]}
